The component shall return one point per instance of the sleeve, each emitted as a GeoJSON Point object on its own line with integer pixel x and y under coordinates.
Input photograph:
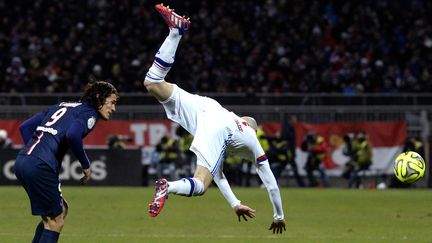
{"type": "Point", "coordinates": [267, 177]}
{"type": "Point", "coordinates": [28, 127]}
{"type": "Point", "coordinates": [225, 189]}
{"type": "Point", "coordinates": [87, 119]}
{"type": "Point", "coordinates": [74, 137]}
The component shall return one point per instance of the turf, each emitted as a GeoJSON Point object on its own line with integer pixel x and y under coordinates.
{"type": "Point", "coordinates": [119, 214]}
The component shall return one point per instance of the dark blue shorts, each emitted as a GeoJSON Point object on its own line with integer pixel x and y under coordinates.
{"type": "Point", "coordinates": [42, 185]}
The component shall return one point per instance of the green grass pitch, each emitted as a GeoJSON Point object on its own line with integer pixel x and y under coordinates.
{"type": "Point", "coordinates": [119, 214]}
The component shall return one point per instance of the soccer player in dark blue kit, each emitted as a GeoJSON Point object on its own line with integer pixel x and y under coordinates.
{"type": "Point", "coordinates": [47, 136]}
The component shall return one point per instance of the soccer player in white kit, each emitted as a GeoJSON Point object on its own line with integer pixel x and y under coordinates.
{"type": "Point", "coordinates": [216, 131]}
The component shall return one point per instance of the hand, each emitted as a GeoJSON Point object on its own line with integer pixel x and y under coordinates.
{"type": "Point", "coordinates": [277, 226]}
{"type": "Point", "coordinates": [87, 173]}
{"type": "Point", "coordinates": [243, 211]}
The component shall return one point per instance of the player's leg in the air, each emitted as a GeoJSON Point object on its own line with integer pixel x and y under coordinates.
{"type": "Point", "coordinates": [162, 91]}
{"type": "Point", "coordinates": [164, 59]}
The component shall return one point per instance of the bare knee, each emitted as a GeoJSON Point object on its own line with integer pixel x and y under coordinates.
{"type": "Point", "coordinates": [204, 176]}
{"type": "Point", "coordinates": [147, 83]}
{"type": "Point", "coordinates": [150, 86]}
{"type": "Point", "coordinates": [161, 91]}
{"type": "Point", "coordinates": [54, 223]}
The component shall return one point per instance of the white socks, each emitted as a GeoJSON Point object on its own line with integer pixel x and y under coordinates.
{"type": "Point", "coordinates": [186, 187]}
{"type": "Point", "coordinates": [164, 57]}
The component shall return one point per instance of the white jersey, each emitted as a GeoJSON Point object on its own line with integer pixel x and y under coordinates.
{"type": "Point", "coordinates": [215, 129]}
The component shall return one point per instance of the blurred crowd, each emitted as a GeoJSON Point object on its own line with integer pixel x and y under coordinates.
{"type": "Point", "coordinates": [268, 46]}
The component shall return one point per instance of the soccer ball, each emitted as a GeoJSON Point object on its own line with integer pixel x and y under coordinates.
{"type": "Point", "coordinates": [409, 167]}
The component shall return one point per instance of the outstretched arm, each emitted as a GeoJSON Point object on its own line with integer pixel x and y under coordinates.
{"type": "Point", "coordinates": [267, 177]}
{"type": "Point", "coordinates": [241, 210]}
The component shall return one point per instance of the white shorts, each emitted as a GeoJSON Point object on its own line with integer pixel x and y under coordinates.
{"type": "Point", "coordinates": [214, 129]}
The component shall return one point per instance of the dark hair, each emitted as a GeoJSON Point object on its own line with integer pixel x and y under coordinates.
{"type": "Point", "coordinates": [95, 93]}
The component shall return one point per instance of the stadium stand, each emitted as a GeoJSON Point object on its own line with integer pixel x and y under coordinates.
{"type": "Point", "coordinates": [372, 46]}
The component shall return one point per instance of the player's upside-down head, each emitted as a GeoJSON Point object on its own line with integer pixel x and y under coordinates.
{"type": "Point", "coordinates": [251, 121]}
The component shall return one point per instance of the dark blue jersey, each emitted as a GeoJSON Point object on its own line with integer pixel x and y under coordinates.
{"type": "Point", "coordinates": [61, 127]}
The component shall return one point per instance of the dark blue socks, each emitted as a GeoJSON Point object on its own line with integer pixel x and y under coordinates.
{"type": "Point", "coordinates": [49, 236]}
{"type": "Point", "coordinates": [38, 232]}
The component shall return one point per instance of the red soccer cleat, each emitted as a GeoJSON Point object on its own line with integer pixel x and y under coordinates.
{"type": "Point", "coordinates": [172, 19]}
{"type": "Point", "coordinates": [161, 195]}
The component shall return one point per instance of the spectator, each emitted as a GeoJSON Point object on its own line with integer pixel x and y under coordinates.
{"type": "Point", "coordinates": [5, 142]}
{"type": "Point", "coordinates": [316, 148]}
{"type": "Point", "coordinates": [118, 141]}
{"type": "Point", "coordinates": [279, 154]}
{"type": "Point", "coordinates": [187, 158]}
{"type": "Point", "coordinates": [361, 158]}
{"type": "Point", "coordinates": [15, 78]}
{"type": "Point", "coordinates": [263, 139]}
{"type": "Point", "coordinates": [289, 135]}
{"type": "Point", "coordinates": [414, 144]}
{"type": "Point", "coordinates": [168, 150]}
{"type": "Point", "coordinates": [232, 169]}
{"type": "Point", "coordinates": [349, 152]}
